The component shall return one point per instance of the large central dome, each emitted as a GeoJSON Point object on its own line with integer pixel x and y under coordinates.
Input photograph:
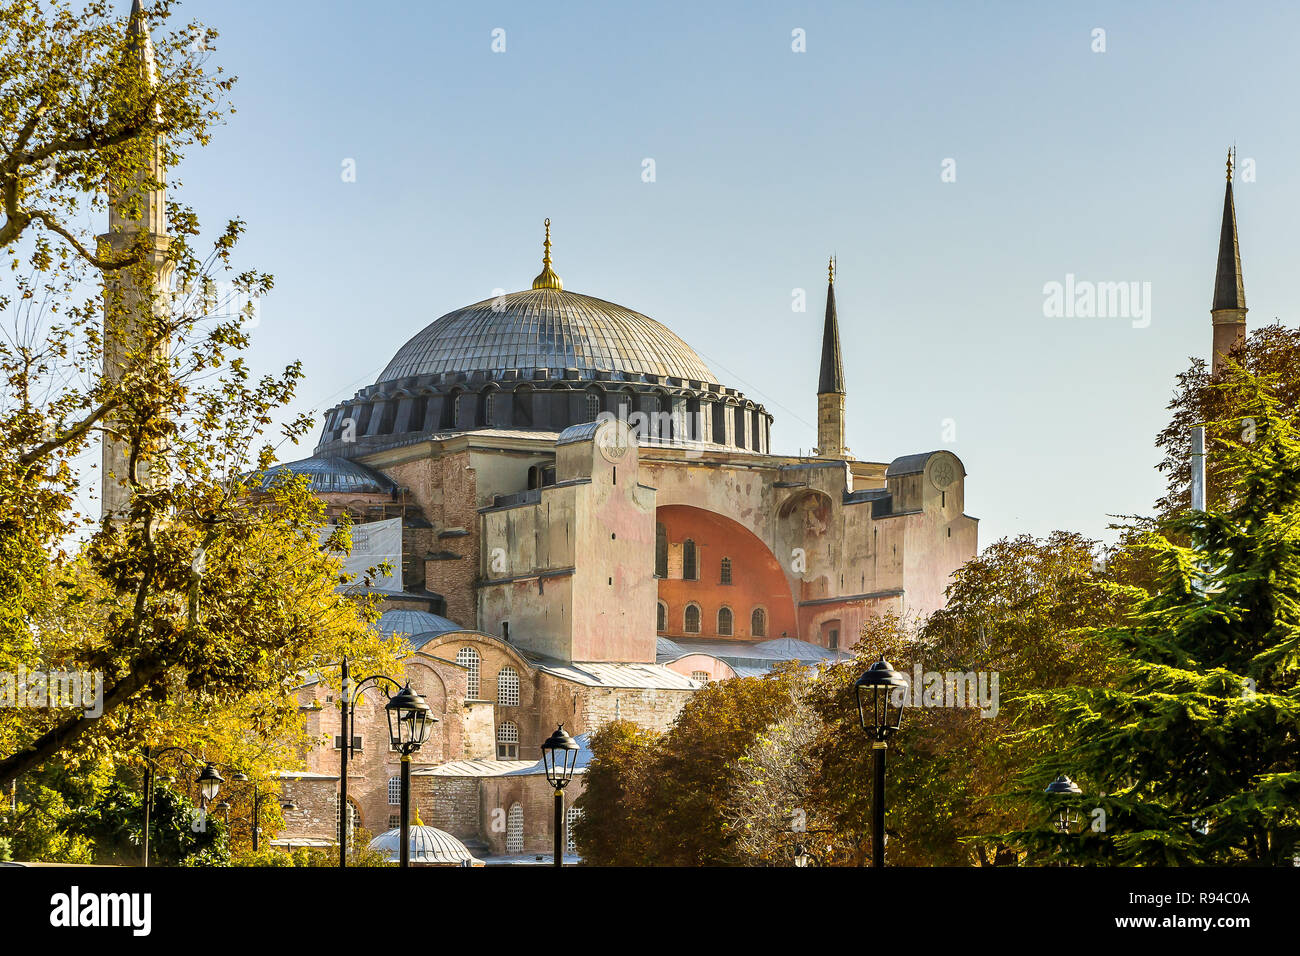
{"type": "Point", "coordinates": [546, 328]}
{"type": "Point", "coordinates": [543, 360]}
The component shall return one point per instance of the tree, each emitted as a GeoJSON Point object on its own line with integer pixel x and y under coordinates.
{"type": "Point", "coordinates": [681, 779]}
{"type": "Point", "coordinates": [610, 830]}
{"type": "Point", "coordinates": [1192, 758]}
{"type": "Point", "coordinates": [767, 810]}
{"type": "Point", "coordinates": [196, 608]}
{"type": "Point", "coordinates": [1271, 352]}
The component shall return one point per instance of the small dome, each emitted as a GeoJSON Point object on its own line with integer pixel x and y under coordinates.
{"type": "Point", "coordinates": [326, 475]}
{"type": "Point", "coordinates": [429, 846]}
{"type": "Point", "coordinates": [410, 624]}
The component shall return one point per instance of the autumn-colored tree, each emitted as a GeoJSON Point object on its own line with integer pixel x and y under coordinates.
{"type": "Point", "coordinates": [613, 827]}
{"type": "Point", "coordinates": [200, 612]}
{"type": "Point", "coordinates": [673, 788]}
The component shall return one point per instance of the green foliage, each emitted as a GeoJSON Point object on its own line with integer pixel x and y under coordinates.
{"type": "Point", "coordinates": [114, 823]}
{"type": "Point", "coordinates": [1193, 757]}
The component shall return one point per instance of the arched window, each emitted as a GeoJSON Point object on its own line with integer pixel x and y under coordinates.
{"type": "Point", "coordinates": [661, 618]}
{"type": "Point", "coordinates": [468, 658]}
{"type": "Point", "coordinates": [690, 564]}
{"type": "Point", "coordinates": [724, 621]}
{"type": "Point", "coordinates": [661, 551]}
{"type": "Point", "coordinates": [725, 574]}
{"type": "Point", "coordinates": [508, 687]}
{"type": "Point", "coordinates": [455, 410]}
{"type": "Point", "coordinates": [515, 829]}
{"type": "Point", "coordinates": [507, 741]}
{"type": "Point", "coordinates": [758, 623]}
{"type": "Point", "coordinates": [490, 408]}
{"type": "Point", "coordinates": [593, 406]}
{"type": "Point", "coordinates": [394, 791]}
{"type": "Point", "coordinates": [692, 619]}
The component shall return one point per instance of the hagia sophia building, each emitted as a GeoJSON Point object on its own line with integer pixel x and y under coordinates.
{"type": "Point", "coordinates": [586, 524]}
{"type": "Point", "coordinates": [592, 525]}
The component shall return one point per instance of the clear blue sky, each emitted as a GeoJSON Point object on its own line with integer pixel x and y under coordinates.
{"type": "Point", "coordinates": [1105, 165]}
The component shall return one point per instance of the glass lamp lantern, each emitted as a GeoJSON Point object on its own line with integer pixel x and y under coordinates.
{"type": "Point", "coordinates": [410, 721]}
{"type": "Point", "coordinates": [560, 756]}
{"type": "Point", "coordinates": [209, 781]}
{"type": "Point", "coordinates": [880, 709]}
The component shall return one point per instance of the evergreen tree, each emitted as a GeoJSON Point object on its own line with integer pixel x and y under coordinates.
{"type": "Point", "coordinates": [1194, 757]}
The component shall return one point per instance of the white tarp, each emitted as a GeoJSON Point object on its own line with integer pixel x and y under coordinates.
{"type": "Point", "coordinates": [372, 544]}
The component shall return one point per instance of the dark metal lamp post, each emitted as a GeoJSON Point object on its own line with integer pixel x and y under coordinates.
{"type": "Point", "coordinates": [410, 721]}
{"type": "Point", "coordinates": [560, 756]}
{"type": "Point", "coordinates": [1064, 786]}
{"type": "Point", "coordinates": [351, 694]}
{"type": "Point", "coordinates": [209, 782]}
{"type": "Point", "coordinates": [881, 714]}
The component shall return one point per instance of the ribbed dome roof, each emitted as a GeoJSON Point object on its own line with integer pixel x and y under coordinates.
{"type": "Point", "coordinates": [410, 623]}
{"type": "Point", "coordinates": [546, 328]}
{"type": "Point", "coordinates": [333, 475]}
{"type": "Point", "coordinates": [428, 845]}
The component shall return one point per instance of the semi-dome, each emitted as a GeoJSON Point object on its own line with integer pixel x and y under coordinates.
{"type": "Point", "coordinates": [546, 328]}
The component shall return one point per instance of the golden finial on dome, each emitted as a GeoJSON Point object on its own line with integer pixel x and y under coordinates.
{"type": "Point", "coordinates": [1230, 165]}
{"type": "Point", "coordinates": [548, 279]}
{"type": "Point", "coordinates": [830, 269]}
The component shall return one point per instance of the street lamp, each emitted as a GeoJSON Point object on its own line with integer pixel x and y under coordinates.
{"type": "Point", "coordinates": [410, 721]}
{"type": "Point", "coordinates": [255, 823]}
{"type": "Point", "coordinates": [1060, 787]}
{"type": "Point", "coordinates": [560, 756]}
{"type": "Point", "coordinates": [880, 715]}
{"type": "Point", "coordinates": [150, 761]}
{"type": "Point", "coordinates": [209, 781]}
{"type": "Point", "coordinates": [351, 693]}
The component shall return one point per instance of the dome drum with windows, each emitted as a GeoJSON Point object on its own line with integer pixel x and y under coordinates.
{"type": "Point", "coordinates": [543, 359]}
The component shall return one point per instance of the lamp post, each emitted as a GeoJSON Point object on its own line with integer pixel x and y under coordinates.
{"type": "Point", "coordinates": [1063, 786]}
{"type": "Point", "coordinates": [209, 784]}
{"type": "Point", "coordinates": [410, 721]}
{"type": "Point", "coordinates": [880, 716]}
{"type": "Point", "coordinates": [255, 823]}
{"type": "Point", "coordinates": [209, 781]}
{"type": "Point", "coordinates": [351, 692]}
{"type": "Point", "coordinates": [560, 756]}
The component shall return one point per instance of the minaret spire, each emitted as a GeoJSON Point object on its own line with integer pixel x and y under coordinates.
{"type": "Point", "coordinates": [830, 384]}
{"type": "Point", "coordinates": [1228, 310]}
{"type": "Point", "coordinates": [548, 279]}
{"type": "Point", "coordinates": [137, 294]}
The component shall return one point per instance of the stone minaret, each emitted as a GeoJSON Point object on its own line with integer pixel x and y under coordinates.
{"type": "Point", "coordinates": [830, 386]}
{"type": "Point", "coordinates": [1228, 312]}
{"type": "Point", "coordinates": [137, 219]}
